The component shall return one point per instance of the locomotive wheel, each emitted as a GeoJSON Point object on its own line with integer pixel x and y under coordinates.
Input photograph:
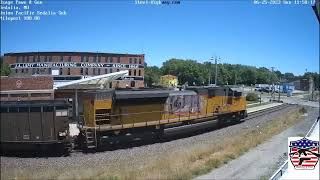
{"type": "Point", "coordinates": [222, 120]}
{"type": "Point", "coordinates": [159, 133]}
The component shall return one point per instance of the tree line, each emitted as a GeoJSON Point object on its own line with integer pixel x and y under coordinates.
{"type": "Point", "coordinates": [195, 73]}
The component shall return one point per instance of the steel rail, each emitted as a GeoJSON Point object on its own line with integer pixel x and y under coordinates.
{"type": "Point", "coordinates": [262, 112]}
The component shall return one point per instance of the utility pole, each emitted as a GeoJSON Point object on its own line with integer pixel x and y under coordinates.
{"type": "Point", "coordinates": [310, 88]}
{"type": "Point", "coordinates": [209, 82]}
{"type": "Point", "coordinates": [279, 89]}
{"type": "Point", "coordinates": [209, 75]}
{"type": "Point", "coordinates": [272, 87]}
{"type": "Point", "coordinates": [216, 75]}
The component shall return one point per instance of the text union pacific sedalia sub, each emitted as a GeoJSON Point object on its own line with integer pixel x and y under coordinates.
{"type": "Point", "coordinates": [38, 13]}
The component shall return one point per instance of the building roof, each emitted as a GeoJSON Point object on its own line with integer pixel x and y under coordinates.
{"type": "Point", "coordinates": [62, 53]}
{"type": "Point", "coordinates": [98, 81]}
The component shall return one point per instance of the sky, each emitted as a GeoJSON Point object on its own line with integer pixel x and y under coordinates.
{"type": "Point", "coordinates": [285, 37]}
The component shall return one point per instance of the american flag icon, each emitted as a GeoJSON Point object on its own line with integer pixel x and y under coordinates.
{"type": "Point", "coordinates": [304, 153]}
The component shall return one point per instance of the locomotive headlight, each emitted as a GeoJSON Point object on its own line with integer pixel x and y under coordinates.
{"type": "Point", "coordinates": [62, 133]}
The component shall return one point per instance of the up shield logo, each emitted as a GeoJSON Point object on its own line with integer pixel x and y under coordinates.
{"type": "Point", "coordinates": [303, 153]}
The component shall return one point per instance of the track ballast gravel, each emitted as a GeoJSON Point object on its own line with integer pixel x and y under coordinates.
{"type": "Point", "coordinates": [71, 166]}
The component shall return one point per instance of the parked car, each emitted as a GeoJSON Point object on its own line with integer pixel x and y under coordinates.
{"type": "Point", "coordinates": [266, 89]}
{"type": "Point", "coordinates": [258, 89]}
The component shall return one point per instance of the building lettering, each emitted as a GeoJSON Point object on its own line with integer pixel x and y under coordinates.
{"type": "Point", "coordinates": [118, 65]}
{"type": "Point", "coordinates": [92, 65]}
{"type": "Point", "coordinates": [75, 65]}
{"type": "Point", "coordinates": [64, 65]}
{"type": "Point", "coordinates": [42, 65]}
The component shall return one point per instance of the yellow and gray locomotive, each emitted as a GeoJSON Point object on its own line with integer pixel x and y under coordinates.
{"type": "Point", "coordinates": [110, 113]}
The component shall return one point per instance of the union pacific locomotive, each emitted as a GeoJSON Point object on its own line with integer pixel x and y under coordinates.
{"type": "Point", "coordinates": [110, 114]}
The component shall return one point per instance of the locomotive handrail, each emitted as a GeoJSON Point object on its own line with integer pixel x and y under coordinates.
{"type": "Point", "coordinates": [104, 114]}
{"type": "Point", "coordinates": [180, 116]}
{"type": "Point", "coordinates": [149, 112]}
{"type": "Point", "coordinates": [103, 120]}
{"type": "Point", "coordinates": [136, 113]}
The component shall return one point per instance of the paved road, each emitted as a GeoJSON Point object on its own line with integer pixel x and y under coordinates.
{"type": "Point", "coordinates": [291, 100]}
{"type": "Point", "coordinates": [263, 160]}
{"type": "Point", "coordinates": [258, 108]}
{"type": "Point", "coordinates": [297, 100]}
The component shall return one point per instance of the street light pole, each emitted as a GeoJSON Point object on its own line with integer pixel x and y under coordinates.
{"type": "Point", "coordinates": [216, 75]}
{"type": "Point", "coordinates": [279, 89]}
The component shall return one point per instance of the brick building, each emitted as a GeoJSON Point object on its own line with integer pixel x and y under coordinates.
{"type": "Point", "coordinates": [75, 65]}
{"type": "Point", "coordinates": [26, 88]}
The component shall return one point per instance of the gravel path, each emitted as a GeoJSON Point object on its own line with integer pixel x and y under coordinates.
{"type": "Point", "coordinates": [73, 165]}
{"type": "Point", "coordinates": [262, 161]}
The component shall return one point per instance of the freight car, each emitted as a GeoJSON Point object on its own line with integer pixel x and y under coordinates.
{"type": "Point", "coordinates": [34, 126]}
{"type": "Point", "coordinates": [110, 114]}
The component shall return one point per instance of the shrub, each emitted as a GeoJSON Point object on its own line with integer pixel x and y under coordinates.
{"type": "Point", "coordinates": [252, 97]}
{"type": "Point", "coordinates": [303, 110]}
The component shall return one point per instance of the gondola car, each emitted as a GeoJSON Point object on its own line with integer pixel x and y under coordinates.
{"type": "Point", "coordinates": [34, 126]}
{"type": "Point", "coordinates": [110, 114]}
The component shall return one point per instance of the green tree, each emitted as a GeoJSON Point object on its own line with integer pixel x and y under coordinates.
{"type": "Point", "coordinates": [279, 74]}
{"type": "Point", "coordinates": [187, 71]}
{"type": "Point", "coordinates": [5, 68]}
{"type": "Point", "coordinates": [151, 75]}
{"type": "Point", "coordinates": [314, 76]}
{"type": "Point", "coordinates": [263, 76]}
{"type": "Point", "coordinates": [224, 76]}
{"type": "Point", "coordinates": [249, 76]}
{"type": "Point", "coordinates": [289, 76]}
{"type": "Point", "coordinates": [192, 71]}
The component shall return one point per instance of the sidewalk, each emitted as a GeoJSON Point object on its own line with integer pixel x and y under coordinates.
{"type": "Point", "coordinates": [258, 108]}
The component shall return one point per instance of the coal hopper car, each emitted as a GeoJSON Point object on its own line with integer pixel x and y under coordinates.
{"type": "Point", "coordinates": [33, 126]}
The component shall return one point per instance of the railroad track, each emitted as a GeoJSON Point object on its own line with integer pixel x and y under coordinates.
{"type": "Point", "coordinates": [265, 111]}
